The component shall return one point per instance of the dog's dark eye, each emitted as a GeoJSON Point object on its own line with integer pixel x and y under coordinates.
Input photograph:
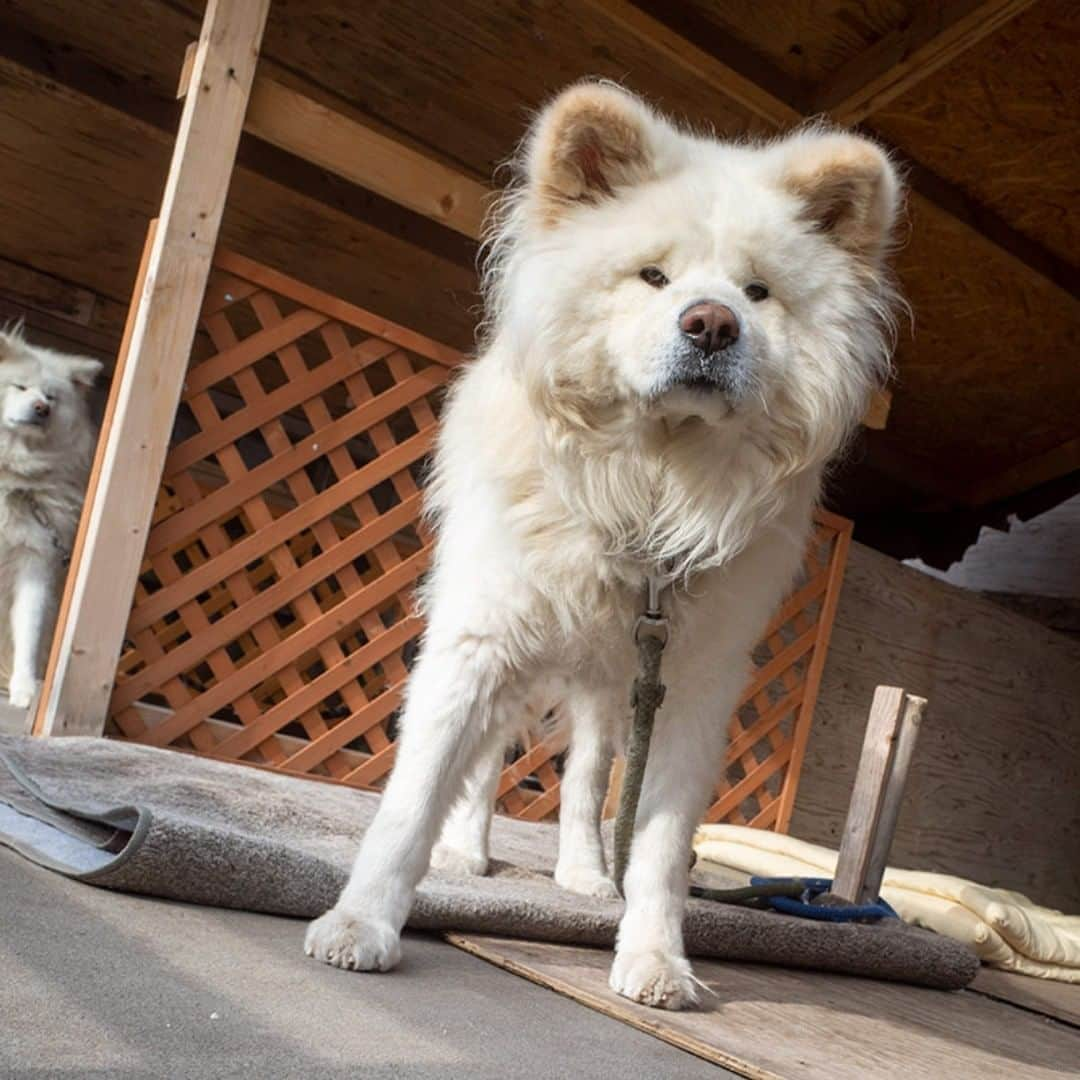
{"type": "Point", "coordinates": [757, 292]}
{"type": "Point", "coordinates": [22, 388]}
{"type": "Point", "coordinates": [654, 276]}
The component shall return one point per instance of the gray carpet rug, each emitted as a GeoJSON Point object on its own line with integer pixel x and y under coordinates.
{"type": "Point", "coordinates": [172, 825]}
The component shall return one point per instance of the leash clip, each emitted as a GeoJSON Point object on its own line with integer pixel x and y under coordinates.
{"type": "Point", "coordinates": [652, 622]}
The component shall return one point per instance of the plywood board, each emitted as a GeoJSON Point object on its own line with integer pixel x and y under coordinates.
{"type": "Point", "coordinates": [993, 788]}
{"type": "Point", "coordinates": [773, 1024]}
{"type": "Point", "coordinates": [1006, 130]}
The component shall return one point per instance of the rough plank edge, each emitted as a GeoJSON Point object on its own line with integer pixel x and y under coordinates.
{"type": "Point", "coordinates": [636, 1016]}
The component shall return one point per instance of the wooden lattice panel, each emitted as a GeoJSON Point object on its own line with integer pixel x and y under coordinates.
{"type": "Point", "coordinates": [273, 622]}
{"type": "Point", "coordinates": [770, 727]}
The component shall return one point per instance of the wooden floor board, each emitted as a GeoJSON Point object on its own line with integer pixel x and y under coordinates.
{"type": "Point", "coordinates": [778, 1024]}
{"type": "Point", "coordinates": [1058, 1000]}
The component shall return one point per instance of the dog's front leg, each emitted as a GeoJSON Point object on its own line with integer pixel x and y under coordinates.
{"type": "Point", "coordinates": [453, 704]}
{"type": "Point", "coordinates": [31, 614]}
{"type": "Point", "coordinates": [650, 963]}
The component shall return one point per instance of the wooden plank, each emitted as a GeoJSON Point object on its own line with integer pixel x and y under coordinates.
{"type": "Point", "coordinates": [300, 125]}
{"type": "Point", "coordinates": [934, 37]}
{"type": "Point", "coordinates": [60, 313]}
{"type": "Point", "coordinates": [1024, 475]}
{"type": "Point", "coordinates": [42, 292]}
{"type": "Point", "coordinates": [87, 645]}
{"type": "Point", "coordinates": [721, 76]}
{"type": "Point", "coordinates": [766, 1022]}
{"type": "Point", "coordinates": [293, 122]}
{"type": "Point", "coordinates": [1059, 1001]}
{"type": "Point", "coordinates": [64, 609]}
{"type": "Point", "coordinates": [868, 795]}
{"type": "Point", "coordinates": [911, 719]}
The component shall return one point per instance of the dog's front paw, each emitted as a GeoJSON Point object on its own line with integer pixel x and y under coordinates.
{"type": "Point", "coordinates": [22, 691]}
{"type": "Point", "coordinates": [654, 978]}
{"type": "Point", "coordinates": [353, 941]}
{"type": "Point", "coordinates": [586, 881]}
{"type": "Point", "coordinates": [452, 860]}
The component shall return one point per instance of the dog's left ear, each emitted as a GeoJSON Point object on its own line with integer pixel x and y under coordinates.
{"type": "Point", "coordinates": [591, 141]}
{"type": "Point", "coordinates": [83, 372]}
{"type": "Point", "coordinates": [849, 188]}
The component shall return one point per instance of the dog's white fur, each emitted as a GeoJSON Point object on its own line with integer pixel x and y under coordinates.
{"type": "Point", "coordinates": [574, 459]}
{"type": "Point", "coordinates": [46, 444]}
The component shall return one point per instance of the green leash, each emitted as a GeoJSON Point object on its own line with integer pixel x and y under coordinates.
{"type": "Point", "coordinates": [651, 636]}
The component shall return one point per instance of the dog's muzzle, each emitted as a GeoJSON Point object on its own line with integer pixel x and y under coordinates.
{"type": "Point", "coordinates": [710, 353]}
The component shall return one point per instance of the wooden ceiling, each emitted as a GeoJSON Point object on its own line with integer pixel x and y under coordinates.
{"type": "Point", "coordinates": [980, 99]}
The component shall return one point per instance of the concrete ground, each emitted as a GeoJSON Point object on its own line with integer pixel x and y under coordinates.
{"type": "Point", "coordinates": [97, 984]}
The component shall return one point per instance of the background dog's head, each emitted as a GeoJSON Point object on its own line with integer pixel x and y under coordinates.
{"type": "Point", "coordinates": [42, 392]}
{"type": "Point", "coordinates": [640, 273]}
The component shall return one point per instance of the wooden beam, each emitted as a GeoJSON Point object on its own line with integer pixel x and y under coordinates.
{"type": "Point", "coordinates": [298, 124]}
{"type": "Point", "coordinates": [73, 72]}
{"type": "Point", "coordinates": [293, 122]}
{"type": "Point", "coordinates": [117, 515]}
{"type": "Point", "coordinates": [729, 76]}
{"type": "Point", "coordinates": [720, 74]}
{"type": "Point", "coordinates": [1025, 475]}
{"type": "Point", "coordinates": [934, 37]}
{"type": "Point", "coordinates": [59, 313]}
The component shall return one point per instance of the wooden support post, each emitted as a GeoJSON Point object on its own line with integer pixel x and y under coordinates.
{"type": "Point", "coordinates": [116, 518]}
{"type": "Point", "coordinates": [887, 749]}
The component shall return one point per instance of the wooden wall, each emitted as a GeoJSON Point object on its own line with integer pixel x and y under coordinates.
{"type": "Point", "coordinates": [994, 791]}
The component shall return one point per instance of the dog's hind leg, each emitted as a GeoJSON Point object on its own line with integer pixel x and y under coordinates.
{"type": "Point", "coordinates": [31, 615]}
{"type": "Point", "coordinates": [581, 867]}
{"type": "Point", "coordinates": [463, 843]}
{"type": "Point", "coordinates": [457, 693]}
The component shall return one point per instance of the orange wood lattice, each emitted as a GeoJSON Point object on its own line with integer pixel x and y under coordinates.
{"type": "Point", "coordinates": [272, 622]}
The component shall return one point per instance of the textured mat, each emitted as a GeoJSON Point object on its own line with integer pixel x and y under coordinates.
{"type": "Point", "coordinates": [176, 826]}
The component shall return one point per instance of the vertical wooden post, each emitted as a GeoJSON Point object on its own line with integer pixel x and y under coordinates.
{"type": "Point", "coordinates": [87, 643]}
{"type": "Point", "coordinates": [875, 799]}
{"type": "Point", "coordinates": [910, 724]}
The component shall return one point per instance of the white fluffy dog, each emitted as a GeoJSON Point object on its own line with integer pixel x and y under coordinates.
{"type": "Point", "coordinates": [681, 333]}
{"type": "Point", "coordinates": [46, 445]}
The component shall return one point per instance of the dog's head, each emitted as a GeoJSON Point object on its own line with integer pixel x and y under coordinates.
{"type": "Point", "coordinates": [41, 391]}
{"type": "Point", "coordinates": [641, 273]}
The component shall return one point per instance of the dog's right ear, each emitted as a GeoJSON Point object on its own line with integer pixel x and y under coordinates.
{"type": "Point", "coordinates": [592, 140]}
{"type": "Point", "coordinates": [11, 335]}
{"type": "Point", "coordinates": [83, 372]}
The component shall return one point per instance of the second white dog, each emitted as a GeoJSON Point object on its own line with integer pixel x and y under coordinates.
{"type": "Point", "coordinates": [46, 444]}
{"type": "Point", "coordinates": [681, 332]}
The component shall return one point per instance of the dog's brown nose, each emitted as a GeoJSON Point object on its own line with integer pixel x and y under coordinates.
{"type": "Point", "coordinates": [710, 326]}
{"type": "Point", "coordinates": [42, 409]}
